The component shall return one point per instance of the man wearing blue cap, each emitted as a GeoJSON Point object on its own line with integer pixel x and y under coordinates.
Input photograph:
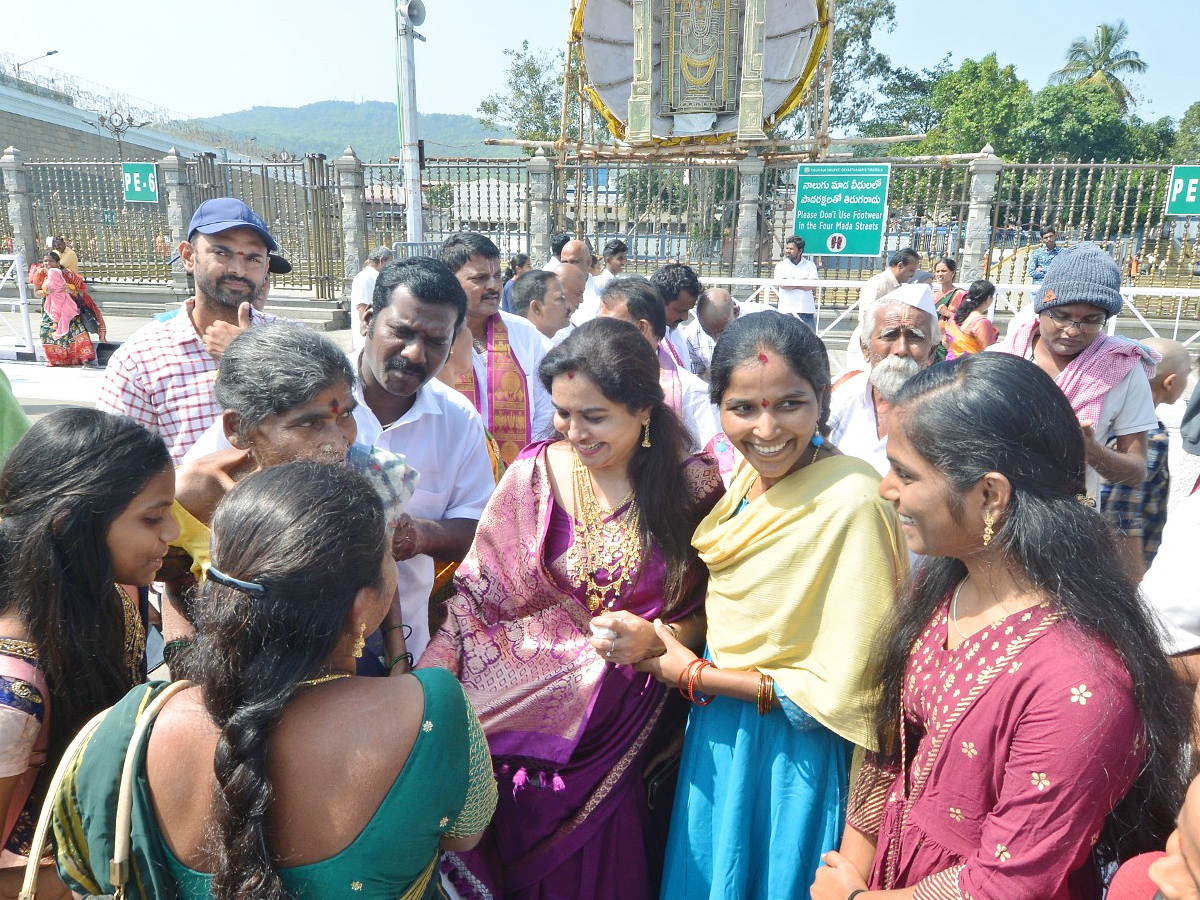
{"type": "Point", "coordinates": [162, 376]}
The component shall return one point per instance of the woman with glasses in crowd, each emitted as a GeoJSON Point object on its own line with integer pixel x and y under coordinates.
{"type": "Point", "coordinates": [1030, 729]}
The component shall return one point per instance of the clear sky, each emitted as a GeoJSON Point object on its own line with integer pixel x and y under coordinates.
{"type": "Point", "coordinates": [227, 55]}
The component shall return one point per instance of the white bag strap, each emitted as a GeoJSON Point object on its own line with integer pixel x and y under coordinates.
{"type": "Point", "coordinates": [123, 833]}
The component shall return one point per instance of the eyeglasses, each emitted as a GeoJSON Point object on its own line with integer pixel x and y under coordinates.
{"type": "Point", "coordinates": [1064, 322]}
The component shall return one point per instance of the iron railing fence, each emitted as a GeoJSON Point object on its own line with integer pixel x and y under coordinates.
{"type": "Point", "coordinates": [666, 212]}
{"type": "Point", "coordinates": [114, 240]}
{"type": "Point", "coordinates": [299, 202]}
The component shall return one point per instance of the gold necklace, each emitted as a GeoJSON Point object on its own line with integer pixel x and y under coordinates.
{"type": "Point", "coordinates": [612, 545]}
{"type": "Point", "coordinates": [321, 679]}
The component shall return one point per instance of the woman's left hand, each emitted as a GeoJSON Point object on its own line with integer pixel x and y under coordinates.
{"type": "Point", "coordinates": [629, 639]}
{"type": "Point", "coordinates": [836, 879]}
{"type": "Point", "coordinates": [670, 665]}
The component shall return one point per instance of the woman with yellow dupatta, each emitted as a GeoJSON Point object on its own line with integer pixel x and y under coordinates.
{"type": "Point", "coordinates": [804, 558]}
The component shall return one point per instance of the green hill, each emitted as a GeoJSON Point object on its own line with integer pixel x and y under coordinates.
{"type": "Point", "coordinates": [370, 128]}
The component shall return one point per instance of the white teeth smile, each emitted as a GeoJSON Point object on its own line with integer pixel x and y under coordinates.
{"type": "Point", "coordinates": [768, 449]}
{"type": "Point", "coordinates": [586, 448]}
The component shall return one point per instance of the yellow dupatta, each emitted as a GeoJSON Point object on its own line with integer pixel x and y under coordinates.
{"type": "Point", "coordinates": [800, 584]}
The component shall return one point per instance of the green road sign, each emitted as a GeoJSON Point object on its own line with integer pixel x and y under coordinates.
{"type": "Point", "coordinates": [110, 217]}
{"type": "Point", "coordinates": [1183, 192]}
{"type": "Point", "coordinates": [140, 181]}
{"type": "Point", "coordinates": [841, 208]}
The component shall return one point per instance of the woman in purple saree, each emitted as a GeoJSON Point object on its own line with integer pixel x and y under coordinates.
{"type": "Point", "coordinates": [585, 542]}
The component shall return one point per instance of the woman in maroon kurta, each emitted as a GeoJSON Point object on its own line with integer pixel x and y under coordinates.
{"type": "Point", "coordinates": [1031, 729]}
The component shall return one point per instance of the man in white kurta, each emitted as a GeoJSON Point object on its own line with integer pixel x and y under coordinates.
{"type": "Point", "coordinates": [361, 289]}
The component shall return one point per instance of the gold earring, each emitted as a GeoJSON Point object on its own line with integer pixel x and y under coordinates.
{"type": "Point", "coordinates": [988, 521]}
{"type": "Point", "coordinates": [361, 641]}
{"type": "Point", "coordinates": [646, 433]}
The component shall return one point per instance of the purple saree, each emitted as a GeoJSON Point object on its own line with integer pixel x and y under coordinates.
{"type": "Point", "coordinates": [1022, 740]}
{"type": "Point", "coordinates": [569, 733]}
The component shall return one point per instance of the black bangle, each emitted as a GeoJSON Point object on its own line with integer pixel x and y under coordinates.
{"type": "Point", "coordinates": [403, 657]}
{"type": "Point", "coordinates": [855, 893]}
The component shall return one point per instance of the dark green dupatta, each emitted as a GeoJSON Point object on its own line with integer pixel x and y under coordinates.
{"type": "Point", "coordinates": [85, 810]}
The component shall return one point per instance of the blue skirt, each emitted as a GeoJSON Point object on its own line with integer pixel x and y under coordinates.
{"type": "Point", "coordinates": [759, 799]}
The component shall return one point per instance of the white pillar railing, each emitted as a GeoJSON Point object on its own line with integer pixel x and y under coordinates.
{"type": "Point", "coordinates": [12, 265]}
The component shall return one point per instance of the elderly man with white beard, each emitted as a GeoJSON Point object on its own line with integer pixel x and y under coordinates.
{"type": "Point", "coordinates": [900, 342]}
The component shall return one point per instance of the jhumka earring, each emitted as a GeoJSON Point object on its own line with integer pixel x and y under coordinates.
{"type": "Point", "coordinates": [646, 433]}
{"type": "Point", "coordinates": [361, 641]}
{"type": "Point", "coordinates": [988, 521]}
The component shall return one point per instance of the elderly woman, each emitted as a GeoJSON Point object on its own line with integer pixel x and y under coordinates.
{"type": "Point", "coordinates": [1030, 729]}
{"type": "Point", "coordinates": [65, 339]}
{"type": "Point", "coordinates": [584, 542]}
{"type": "Point", "coordinates": [277, 774]}
{"type": "Point", "coordinates": [803, 559]}
{"type": "Point", "coordinates": [287, 394]}
{"type": "Point", "coordinates": [1105, 377]}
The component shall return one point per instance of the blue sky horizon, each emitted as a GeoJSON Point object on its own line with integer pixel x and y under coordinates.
{"type": "Point", "coordinates": [230, 55]}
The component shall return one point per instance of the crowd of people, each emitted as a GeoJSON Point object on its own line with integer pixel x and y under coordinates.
{"type": "Point", "coordinates": [580, 584]}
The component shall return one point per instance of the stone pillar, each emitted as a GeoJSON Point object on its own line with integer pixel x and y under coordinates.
{"type": "Point", "coordinates": [541, 207]}
{"type": "Point", "coordinates": [745, 254]}
{"type": "Point", "coordinates": [349, 170]}
{"type": "Point", "coordinates": [181, 204]}
{"type": "Point", "coordinates": [751, 102]}
{"type": "Point", "coordinates": [977, 241]}
{"type": "Point", "coordinates": [20, 206]}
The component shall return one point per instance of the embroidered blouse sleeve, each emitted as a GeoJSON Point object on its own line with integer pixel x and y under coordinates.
{"type": "Point", "coordinates": [481, 792]}
{"type": "Point", "coordinates": [1075, 750]}
{"type": "Point", "coordinates": [21, 709]}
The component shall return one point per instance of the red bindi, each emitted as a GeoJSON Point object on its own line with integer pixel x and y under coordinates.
{"type": "Point", "coordinates": [766, 403]}
{"type": "Point", "coordinates": [336, 408]}
{"type": "Point", "coordinates": [762, 358]}
{"type": "Point", "coordinates": [570, 375]}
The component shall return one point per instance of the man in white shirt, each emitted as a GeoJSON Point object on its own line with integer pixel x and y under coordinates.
{"type": "Point", "coordinates": [361, 289]}
{"type": "Point", "coordinates": [403, 409]}
{"type": "Point", "coordinates": [557, 242]}
{"type": "Point", "coordinates": [634, 299]}
{"type": "Point", "coordinates": [897, 343]}
{"type": "Point", "coordinates": [680, 290]}
{"type": "Point", "coordinates": [716, 310]}
{"type": "Point", "coordinates": [504, 385]}
{"type": "Point", "coordinates": [577, 253]}
{"type": "Point", "coordinates": [539, 297]}
{"type": "Point", "coordinates": [616, 253]}
{"type": "Point", "coordinates": [799, 302]}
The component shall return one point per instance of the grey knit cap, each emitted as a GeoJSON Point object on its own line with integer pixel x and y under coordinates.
{"type": "Point", "coordinates": [1082, 274]}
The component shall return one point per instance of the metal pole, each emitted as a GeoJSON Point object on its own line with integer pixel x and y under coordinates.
{"type": "Point", "coordinates": [407, 96]}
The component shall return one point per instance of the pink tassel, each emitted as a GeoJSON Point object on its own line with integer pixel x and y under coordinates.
{"type": "Point", "coordinates": [542, 779]}
{"type": "Point", "coordinates": [558, 784]}
{"type": "Point", "coordinates": [519, 780]}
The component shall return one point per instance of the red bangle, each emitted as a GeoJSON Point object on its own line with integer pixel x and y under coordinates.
{"type": "Point", "coordinates": [695, 677]}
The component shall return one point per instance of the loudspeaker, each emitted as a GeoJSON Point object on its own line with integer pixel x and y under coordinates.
{"type": "Point", "coordinates": [413, 10]}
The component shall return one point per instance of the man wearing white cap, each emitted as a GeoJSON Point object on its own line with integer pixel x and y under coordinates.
{"type": "Point", "coordinates": [897, 342]}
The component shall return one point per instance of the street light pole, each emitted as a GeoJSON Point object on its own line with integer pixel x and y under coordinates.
{"type": "Point", "coordinates": [409, 14]}
{"type": "Point", "coordinates": [35, 59]}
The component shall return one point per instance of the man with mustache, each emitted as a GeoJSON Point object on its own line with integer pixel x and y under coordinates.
{"type": "Point", "coordinates": [897, 342]}
{"type": "Point", "coordinates": [503, 384]}
{"type": "Point", "coordinates": [162, 376]}
{"type": "Point", "coordinates": [417, 309]}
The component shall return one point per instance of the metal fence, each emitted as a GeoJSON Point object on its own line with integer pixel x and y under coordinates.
{"type": "Point", "coordinates": [299, 202]}
{"type": "Point", "coordinates": [85, 201]}
{"type": "Point", "coordinates": [666, 212]}
{"type": "Point", "coordinates": [490, 196]}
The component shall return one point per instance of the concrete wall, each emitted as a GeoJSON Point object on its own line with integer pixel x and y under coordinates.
{"type": "Point", "coordinates": [44, 124]}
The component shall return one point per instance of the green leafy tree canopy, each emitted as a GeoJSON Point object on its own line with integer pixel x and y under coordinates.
{"type": "Point", "coordinates": [981, 103]}
{"type": "Point", "coordinates": [531, 104]}
{"type": "Point", "coordinates": [1076, 121]}
{"type": "Point", "coordinates": [1187, 138]}
{"type": "Point", "coordinates": [1103, 61]}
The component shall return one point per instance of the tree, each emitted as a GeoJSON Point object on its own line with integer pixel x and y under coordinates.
{"type": "Point", "coordinates": [856, 63]}
{"type": "Point", "coordinates": [981, 103]}
{"type": "Point", "coordinates": [1187, 138]}
{"type": "Point", "coordinates": [1075, 121]}
{"type": "Point", "coordinates": [909, 108]}
{"type": "Point", "coordinates": [1150, 140]}
{"type": "Point", "coordinates": [531, 105]}
{"type": "Point", "coordinates": [1101, 61]}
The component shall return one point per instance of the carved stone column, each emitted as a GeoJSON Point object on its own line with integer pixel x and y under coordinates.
{"type": "Point", "coordinates": [354, 216]}
{"type": "Point", "coordinates": [20, 206]}
{"type": "Point", "coordinates": [541, 207]}
{"type": "Point", "coordinates": [181, 204]}
{"type": "Point", "coordinates": [750, 106]}
{"type": "Point", "coordinates": [640, 114]}
{"type": "Point", "coordinates": [750, 174]}
{"type": "Point", "coordinates": [977, 239]}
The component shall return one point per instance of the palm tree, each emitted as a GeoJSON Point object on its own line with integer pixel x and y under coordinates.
{"type": "Point", "coordinates": [1102, 61]}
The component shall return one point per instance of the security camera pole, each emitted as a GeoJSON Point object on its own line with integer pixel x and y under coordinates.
{"type": "Point", "coordinates": [409, 14]}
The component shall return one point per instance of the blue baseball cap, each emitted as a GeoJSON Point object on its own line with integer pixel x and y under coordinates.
{"type": "Point", "coordinates": [225, 213]}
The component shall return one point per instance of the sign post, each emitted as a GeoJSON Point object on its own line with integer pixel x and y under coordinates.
{"type": "Point", "coordinates": [841, 208]}
{"type": "Point", "coordinates": [1183, 191]}
{"type": "Point", "coordinates": [140, 180]}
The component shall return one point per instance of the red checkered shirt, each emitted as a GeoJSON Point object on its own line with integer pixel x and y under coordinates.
{"type": "Point", "coordinates": [162, 377]}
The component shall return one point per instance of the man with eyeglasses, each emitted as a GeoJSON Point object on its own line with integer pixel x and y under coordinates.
{"type": "Point", "coordinates": [503, 384]}
{"type": "Point", "coordinates": [1106, 377]}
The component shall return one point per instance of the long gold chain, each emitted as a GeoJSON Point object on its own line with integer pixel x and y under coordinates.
{"type": "Point", "coordinates": [321, 679]}
{"type": "Point", "coordinates": [613, 545]}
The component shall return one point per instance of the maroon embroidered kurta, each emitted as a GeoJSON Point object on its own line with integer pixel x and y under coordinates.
{"type": "Point", "coordinates": [1021, 740]}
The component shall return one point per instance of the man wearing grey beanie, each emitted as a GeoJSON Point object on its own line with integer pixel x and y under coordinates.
{"type": "Point", "coordinates": [1106, 377]}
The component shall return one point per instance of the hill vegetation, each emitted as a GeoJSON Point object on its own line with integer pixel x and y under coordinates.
{"type": "Point", "coordinates": [369, 127]}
